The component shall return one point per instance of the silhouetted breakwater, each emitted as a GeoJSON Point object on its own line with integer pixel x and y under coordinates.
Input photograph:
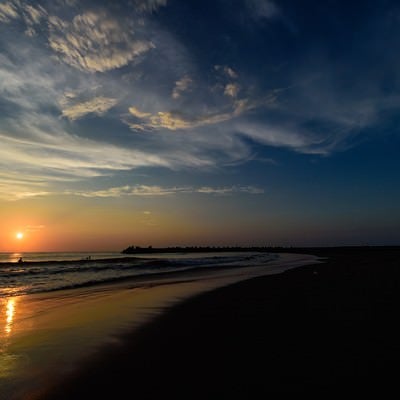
{"type": "Point", "coordinates": [263, 249]}
{"type": "Point", "coordinates": [193, 249]}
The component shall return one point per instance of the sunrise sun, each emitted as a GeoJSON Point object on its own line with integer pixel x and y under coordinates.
{"type": "Point", "coordinates": [19, 235]}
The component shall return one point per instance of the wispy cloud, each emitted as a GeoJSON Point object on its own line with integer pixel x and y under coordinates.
{"type": "Point", "coordinates": [230, 190]}
{"type": "Point", "coordinates": [20, 189]}
{"type": "Point", "coordinates": [182, 85]}
{"type": "Point", "coordinates": [72, 156]}
{"type": "Point", "coordinates": [231, 89]}
{"type": "Point", "coordinates": [145, 190]}
{"type": "Point", "coordinates": [228, 71]}
{"type": "Point", "coordinates": [95, 41]}
{"type": "Point", "coordinates": [22, 195]}
{"type": "Point", "coordinates": [139, 114]}
{"type": "Point", "coordinates": [174, 120]}
{"type": "Point", "coordinates": [98, 105]}
{"type": "Point", "coordinates": [288, 137]}
{"type": "Point", "coordinates": [138, 190]}
{"type": "Point", "coordinates": [31, 15]}
{"type": "Point", "coordinates": [19, 193]}
{"type": "Point", "coordinates": [8, 11]}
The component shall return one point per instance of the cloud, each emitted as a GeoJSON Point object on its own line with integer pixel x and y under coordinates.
{"type": "Point", "coordinates": [8, 11]}
{"type": "Point", "coordinates": [72, 155]}
{"type": "Point", "coordinates": [33, 15]}
{"type": "Point", "coordinates": [146, 190]}
{"type": "Point", "coordinates": [139, 114]}
{"type": "Point", "coordinates": [13, 188]}
{"type": "Point", "coordinates": [231, 89]}
{"type": "Point", "coordinates": [98, 105]}
{"type": "Point", "coordinates": [291, 137]}
{"type": "Point", "coordinates": [20, 190]}
{"type": "Point", "coordinates": [229, 75]}
{"type": "Point", "coordinates": [19, 10]}
{"type": "Point", "coordinates": [174, 120]}
{"type": "Point", "coordinates": [228, 71]}
{"type": "Point", "coordinates": [95, 41]}
{"type": "Point", "coordinates": [28, 195]}
{"type": "Point", "coordinates": [181, 86]}
{"type": "Point", "coordinates": [230, 190]}
{"type": "Point", "coordinates": [138, 190]}
{"type": "Point", "coordinates": [28, 79]}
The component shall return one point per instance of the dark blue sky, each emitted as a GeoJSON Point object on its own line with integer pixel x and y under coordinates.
{"type": "Point", "coordinates": [241, 122]}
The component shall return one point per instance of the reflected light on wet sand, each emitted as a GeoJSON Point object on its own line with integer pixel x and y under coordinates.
{"type": "Point", "coordinates": [8, 361]}
{"type": "Point", "coordinates": [10, 312]}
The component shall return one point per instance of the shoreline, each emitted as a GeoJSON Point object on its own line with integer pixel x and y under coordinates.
{"type": "Point", "coordinates": [323, 328]}
{"type": "Point", "coordinates": [47, 335]}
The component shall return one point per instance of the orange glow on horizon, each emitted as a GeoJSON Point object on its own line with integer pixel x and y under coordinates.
{"type": "Point", "coordinates": [87, 225]}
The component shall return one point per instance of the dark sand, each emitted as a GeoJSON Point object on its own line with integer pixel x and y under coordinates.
{"type": "Point", "coordinates": [328, 329]}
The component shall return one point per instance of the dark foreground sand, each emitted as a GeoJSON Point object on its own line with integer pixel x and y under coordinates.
{"type": "Point", "coordinates": [328, 329]}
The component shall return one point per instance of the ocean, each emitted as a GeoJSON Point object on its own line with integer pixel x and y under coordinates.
{"type": "Point", "coordinates": [45, 272]}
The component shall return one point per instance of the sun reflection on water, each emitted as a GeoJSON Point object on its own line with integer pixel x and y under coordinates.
{"type": "Point", "coordinates": [14, 257]}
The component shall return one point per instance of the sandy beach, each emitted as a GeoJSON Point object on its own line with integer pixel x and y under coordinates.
{"type": "Point", "coordinates": [323, 329]}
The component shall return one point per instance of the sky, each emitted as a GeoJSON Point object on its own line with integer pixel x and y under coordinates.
{"type": "Point", "coordinates": [224, 122]}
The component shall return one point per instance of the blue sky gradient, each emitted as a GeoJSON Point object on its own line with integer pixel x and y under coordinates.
{"type": "Point", "coordinates": [218, 122]}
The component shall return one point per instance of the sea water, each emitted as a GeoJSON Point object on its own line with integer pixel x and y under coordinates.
{"type": "Point", "coordinates": [43, 272]}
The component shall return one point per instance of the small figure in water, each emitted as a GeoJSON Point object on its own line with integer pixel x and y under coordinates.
{"type": "Point", "coordinates": [20, 260]}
